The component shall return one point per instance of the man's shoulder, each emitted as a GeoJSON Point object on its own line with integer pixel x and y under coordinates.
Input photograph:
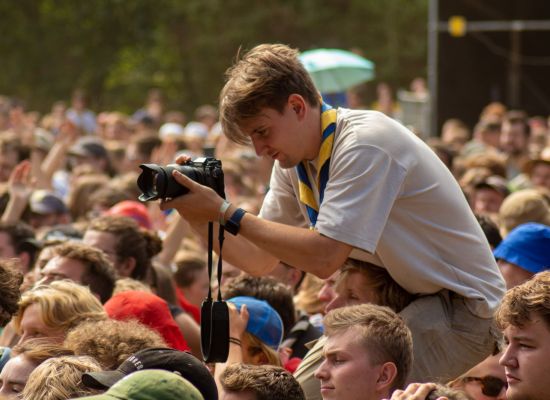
{"type": "Point", "coordinates": [359, 130]}
{"type": "Point", "coordinates": [348, 114]}
{"type": "Point", "coordinates": [367, 122]}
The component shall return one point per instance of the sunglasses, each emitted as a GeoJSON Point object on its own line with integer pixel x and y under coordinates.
{"type": "Point", "coordinates": [490, 385]}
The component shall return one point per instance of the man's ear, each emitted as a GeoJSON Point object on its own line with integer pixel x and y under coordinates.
{"type": "Point", "coordinates": [260, 359]}
{"type": "Point", "coordinates": [25, 260]}
{"type": "Point", "coordinates": [297, 104]}
{"type": "Point", "coordinates": [386, 377]}
{"type": "Point", "coordinates": [126, 267]}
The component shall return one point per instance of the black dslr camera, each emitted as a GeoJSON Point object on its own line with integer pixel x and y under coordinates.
{"type": "Point", "coordinates": [157, 182]}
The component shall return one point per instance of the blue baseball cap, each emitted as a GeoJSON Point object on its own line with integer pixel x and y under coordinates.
{"type": "Point", "coordinates": [527, 246]}
{"type": "Point", "coordinates": [264, 322]}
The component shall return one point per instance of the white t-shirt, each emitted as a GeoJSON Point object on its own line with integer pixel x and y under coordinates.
{"type": "Point", "coordinates": [392, 199]}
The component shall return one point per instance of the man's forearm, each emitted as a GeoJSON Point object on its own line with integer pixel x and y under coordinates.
{"type": "Point", "coordinates": [260, 245]}
{"type": "Point", "coordinates": [302, 248]}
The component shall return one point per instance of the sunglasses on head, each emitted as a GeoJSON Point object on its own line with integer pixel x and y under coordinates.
{"type": "Point", "coordinates": [490, 385]}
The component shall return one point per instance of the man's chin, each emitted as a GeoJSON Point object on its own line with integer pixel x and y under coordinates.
{"type": "Point", "coordinates": [284, 164]}
{"type": "Point", "coordinates": [515, 393]}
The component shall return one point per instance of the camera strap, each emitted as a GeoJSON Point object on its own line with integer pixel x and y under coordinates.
{"type": "Point", "coordinates": [214, 314]}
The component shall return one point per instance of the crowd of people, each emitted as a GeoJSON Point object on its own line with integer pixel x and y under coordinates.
{"type": "Point", "coordinates": [360, 261]}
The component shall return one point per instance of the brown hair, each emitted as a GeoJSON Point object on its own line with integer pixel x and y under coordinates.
{"type": "Point", "coordinates": [132, 241]}
{"type": "Point", "coordinates": [387, 291]}
{"type": "Point", "coordinates": [111, 342]}
{"type": "Point", "coordinates": [380, 330]}
{"type": "Point", "coordinates": [189, 266]}
{"type": "Point", "coordinates": [495, 163]}
{"type": "Point", "coordinates": [22, 239]}
{"type": "Point", "coordinates": [108, 196]}
{"type": "Point", "coordinates": [145, 144]}
{"type": "Point", "coordinates": [267, 382]}
{"type": "Point", "coordinates": [264, 77]}
{"type": "Point", "coordinates": [277, 294]}
{"type": "Point", "coordinates": [79, 203]}
{"type": "Point", "coordinates": [11, 279]}
{"type": "Point", "coordinates": [524, 302]}
{"type": "Point", "coordinates": [100, 275]}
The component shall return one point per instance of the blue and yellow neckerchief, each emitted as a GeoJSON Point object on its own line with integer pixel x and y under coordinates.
{"type": "Point", "coordinates": [328, 127]}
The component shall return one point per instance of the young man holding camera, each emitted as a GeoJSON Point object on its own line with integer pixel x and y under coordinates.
{"type": "Point", "coordinates": [350, 183]}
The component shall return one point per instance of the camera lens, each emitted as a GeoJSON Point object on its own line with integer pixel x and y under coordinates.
{"type": "Point", "coordinates": [149, 182]}
{"type": "Point", "coordinates": [155, 180]}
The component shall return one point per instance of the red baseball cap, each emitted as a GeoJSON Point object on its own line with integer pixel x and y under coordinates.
{"type": "Point", "coordinates": [150, 310]}
{"type": "Point", "coordinates": [134, 210]}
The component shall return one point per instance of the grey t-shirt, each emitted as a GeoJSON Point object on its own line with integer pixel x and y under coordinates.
{"type": "Point", "coordinates": [392, 199]}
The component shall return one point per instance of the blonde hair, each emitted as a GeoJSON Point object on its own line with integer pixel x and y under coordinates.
{"type": "Point", "coordinates": [38, 350]}
{"type": "Point", "coordinates": [380, 330]}
{"type": "Point", "coordinates": [307, 298]}
{"type": "Point", "coordinates": [527, 205]}
{"type": "Point", "coordinates": [126, 284]}
{"type": "Point", "coordinates": [60, 378]}
{"type": "Point", "coordinates": [63, 305]}
{"type": "Point", "coordinates": [263, 78]}
{"type": "Point", "coordinates": [257, 346]}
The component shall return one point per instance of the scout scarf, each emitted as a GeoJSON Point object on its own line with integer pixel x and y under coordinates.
{"type": "Point", "coordinates": [328, 127]}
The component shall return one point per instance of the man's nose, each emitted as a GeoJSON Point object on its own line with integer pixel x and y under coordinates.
{"type": "Point", "coordinates": [320, 373]}
{"type": "Point", "coordinates": [325, 294]}
{"type": "Point", "coordinates": [507, 359]}
{"type": "Point", "coordinates": [259, 147]}
{"type": "Point", "coordinates": [336, 302]}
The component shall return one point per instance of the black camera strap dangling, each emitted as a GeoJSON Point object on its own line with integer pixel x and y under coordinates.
{"type": "Point", "coordinates": [214, 314]}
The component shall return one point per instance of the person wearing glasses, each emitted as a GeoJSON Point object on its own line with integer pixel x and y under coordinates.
{"type": "Point", "coordinates": [485, 381]}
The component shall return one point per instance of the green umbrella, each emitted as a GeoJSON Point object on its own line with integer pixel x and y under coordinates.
{"type": "Point", "coordinates": [335, 70]}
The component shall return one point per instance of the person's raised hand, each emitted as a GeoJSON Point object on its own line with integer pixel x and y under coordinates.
{"type": "Point", "coordinates": [415, 391]}
{"type": "Point", "coordinates": [20, 183]}
{"type": "Point", "coordinates": [68, 133]}
{"type": "Point", "coordinates": [237, 320]}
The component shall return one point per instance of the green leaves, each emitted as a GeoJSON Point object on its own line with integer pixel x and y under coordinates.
{"type": "Point", "coordinates": [118, 49]}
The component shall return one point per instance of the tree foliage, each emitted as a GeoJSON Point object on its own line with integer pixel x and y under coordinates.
{"type": "Point", "coordinates": [118, 49]}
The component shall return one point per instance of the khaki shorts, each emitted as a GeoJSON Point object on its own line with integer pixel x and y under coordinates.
{"type": "Point", "coordinates": [448, 339]}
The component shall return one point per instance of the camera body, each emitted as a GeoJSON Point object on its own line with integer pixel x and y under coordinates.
{"type": "Point", "coordinates": [157, 182]}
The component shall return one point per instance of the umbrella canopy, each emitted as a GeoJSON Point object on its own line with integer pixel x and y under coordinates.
{"type": "Point", "coordinates": [335, 70]}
